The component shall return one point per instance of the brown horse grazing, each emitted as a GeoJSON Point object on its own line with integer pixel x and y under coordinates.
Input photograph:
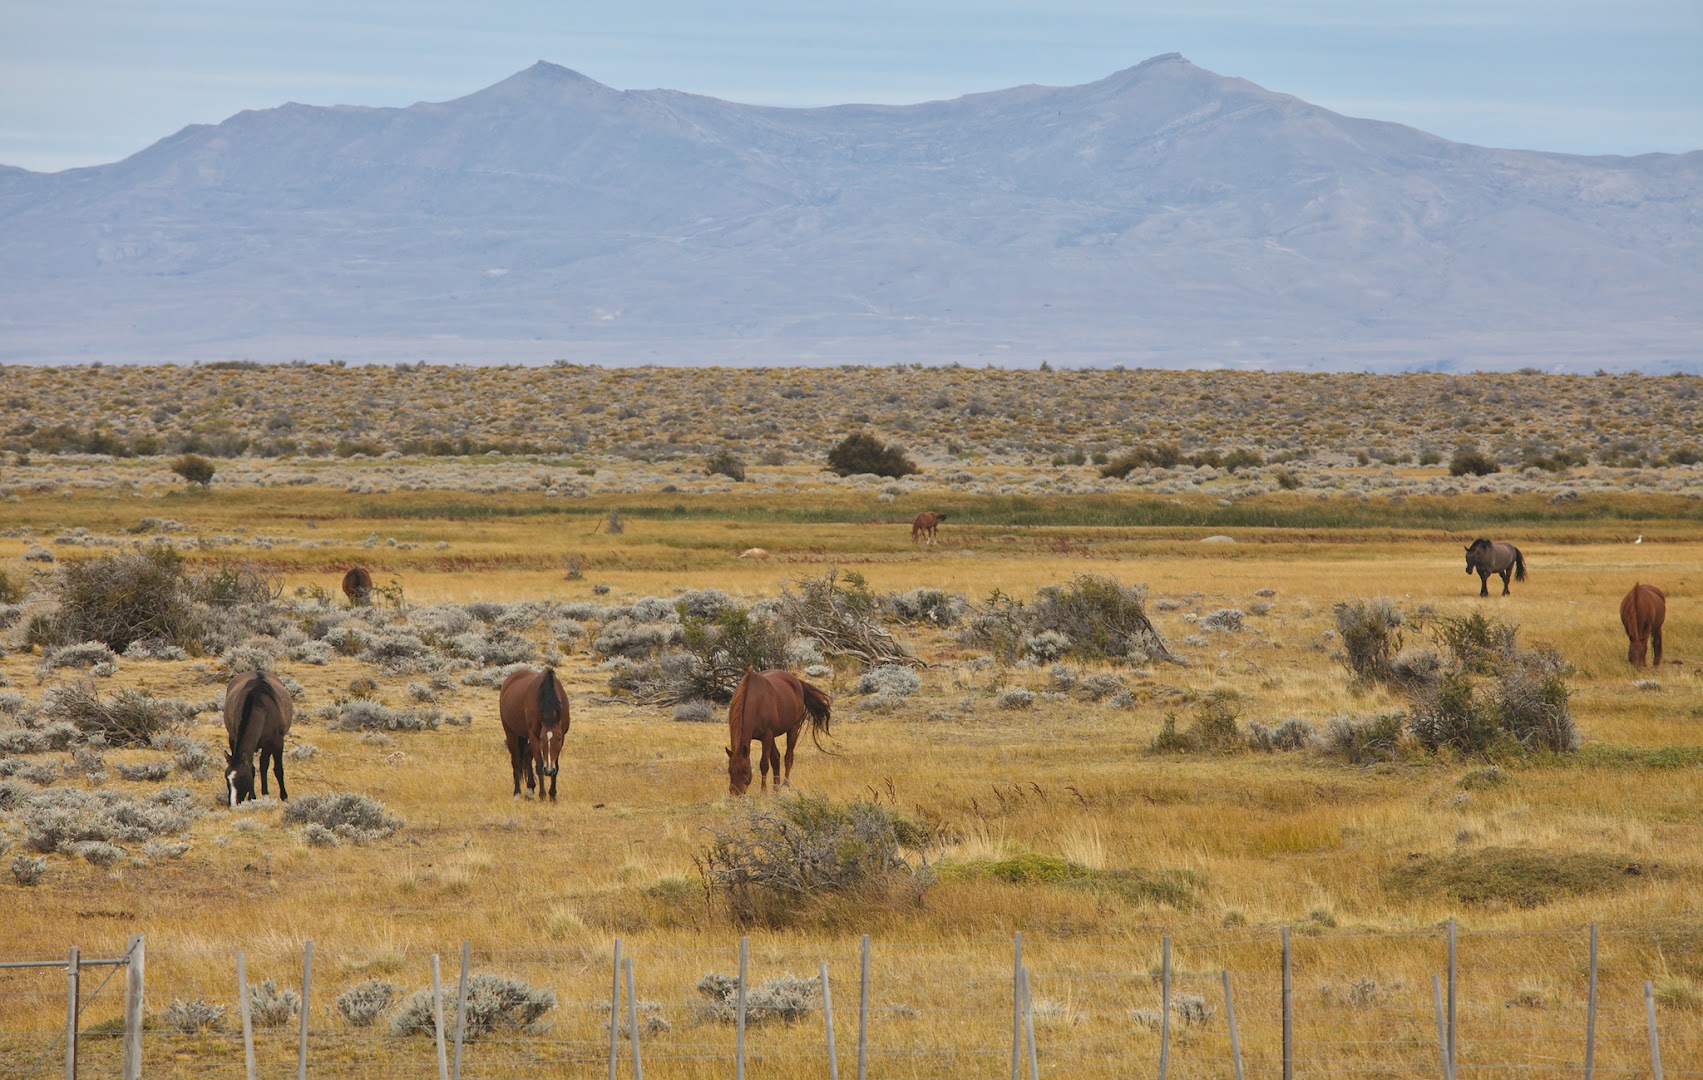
{"type": "Point", "coordinates": [1642, 613]}
{"type": "Point", "coordinates": [768, 704]}
{"type": "Point", "coordinates": [257, 716]}
{"type": "Point", "coordinates": [1487, 558]}
{"type": "Point", "coordinates": [927, 526]}
{"type": "Point", "coordinates": [358, 585]}
{"type": "Point", "coordinates": [534, 708]}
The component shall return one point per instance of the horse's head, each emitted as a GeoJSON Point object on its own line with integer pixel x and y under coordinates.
{"type": "Point", "coordinates": [738, 770]}
{"type": "Point", "coordinates": [1472, 553]}
{"type": "Point", "coordinates": [239, 778]}
{"type": "Point", "coordinates": [547, 748]}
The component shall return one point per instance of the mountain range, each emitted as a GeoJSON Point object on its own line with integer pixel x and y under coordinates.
{"type": "Point", "coordinates": [1164, 216]}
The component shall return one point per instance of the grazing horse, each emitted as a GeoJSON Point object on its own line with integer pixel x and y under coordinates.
{"type": "Point", "coordinates": [257, 715]}
{"type": "Point", "coordinates": [534, 708]}
{"type": "Point", "coordinates": [927, 526]}
{"type": "Point", "coordinates": [1498, 558]}
{"type": "Point", "coordinates": [768, 704]}
{"type": "Point", "coordinates": [358, 585]}
{"type": "Point", "coordinates": [1642, 613]}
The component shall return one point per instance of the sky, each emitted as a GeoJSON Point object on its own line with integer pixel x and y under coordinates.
{"type": "Point", "coordinates": [84, 82]}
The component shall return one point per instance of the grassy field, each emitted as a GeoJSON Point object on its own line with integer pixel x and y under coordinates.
{"type": "Point", "coordinates": [1218, 851]}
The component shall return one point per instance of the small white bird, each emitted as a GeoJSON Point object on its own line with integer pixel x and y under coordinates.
{"type": "Point", "coordinates": [1640, 539]}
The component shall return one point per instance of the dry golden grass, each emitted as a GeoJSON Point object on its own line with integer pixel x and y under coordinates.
{"type": "Point", "coordinates": [1271, 840]}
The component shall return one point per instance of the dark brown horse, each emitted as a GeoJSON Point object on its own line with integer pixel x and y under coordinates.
{"type": "Point", "coordinates": [1499, 558]}
{"type": "Point", "coordinates": [257, 716]}
{"type": "Point", "coordinates": [534, 708]}
{"type": "Point", "coordinates": [768, 704]}
{"type": "Point", "coordinates": [927, 526]}
{"type": "Point", "coordinates": [358, 585]}
{"type": "Point", "coordinates": [1642, 613]}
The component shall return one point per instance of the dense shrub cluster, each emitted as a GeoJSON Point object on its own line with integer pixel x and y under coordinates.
{"type": "Point", "coordinates": [864, 453]}
{"type": "Point", "coordinates": [150, 596]}
{"type": "Point", "coordinates": [493, 1002]}
{"type": "Point", "coordinates": [347, 814]}
{"type": "Point", "coordinates": [1091, 618]}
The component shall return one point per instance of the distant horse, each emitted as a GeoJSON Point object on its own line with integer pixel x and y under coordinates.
{"type": "Point", "coordinates": [1499, 558]}
{"type": "Point", "coordinates": [358, 585]}
{"type": "Point", "coordinates": [257, 716]}
{"type": "Point", "coordinates": [768, 704]}
{"type": "Point", "coordinates": [927, 526]}
{"type": "Point", "coordinates": [1642, 613]}
{"type": "Point", "coordinates": [534, 708]}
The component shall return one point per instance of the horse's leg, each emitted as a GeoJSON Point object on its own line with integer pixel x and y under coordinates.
{"type": "Point", "coordinates": [1656, 643]}
{"type": "Point", "coordinates": [265, 752]}
{"type": "Point", "coordinates": [1484, 583]}
{"type": "Point", "coordinates": [1506, 574]}
{"type": "Point", "coordinates": [514, 762]}
{"type": "Point", "coordinates": [278, 768]}
{"type": "Point", "coordinates": [791, 739]}
{"type": "Point", "coordinates": [768, 752]}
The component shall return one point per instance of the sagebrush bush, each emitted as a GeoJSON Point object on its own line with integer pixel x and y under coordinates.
{"type": "Point", "coordinates": [864, 453]}
{"type": "Point", "coordinates": [1292, 734]}
{"type": "Point", "coordinates": [889, 679]}
{"type": "Point", "coordinates": [268, 1006]}
{"type": "Point", "coordinates": [28, 869]}
{"type": "Point", "coordinates": [725, 462]}
{"type": "Point", "coordinates": [348, 814]}
{"type": "Point", "coordinates": [1371, 636]}
{"type": "Point", "coordinates": [843, 616]}
{"type": "Point", "coordinates": [1363, 741]}
{"type": "Point", "coordinates": [696, 712]}
{"type": "Point", "coordinates": [126, 718]}
{"type": "Point", "coordinates": [361, 714]}
{"type": "Point", "coordinates": [934, 606]}
{"type": "Point", "coordinates": [1469, 461]}
{"type": "Point", "coordinates": [362, 1004]}
{"type": "Point", "coordinates": [784, 997]}
{"type": "Point", "coordinates": [84, 654]}
{"type": "Point", "coordinates": [493, 1002]}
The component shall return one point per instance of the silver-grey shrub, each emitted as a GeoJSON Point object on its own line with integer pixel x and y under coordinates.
{"type": "Point", "coordinates": [191, 1017]}
{"type": "Point", "coordinates": [349, 814]}
{"type": "Point", "coordinates": [1292, 734]}
{"type": "Point", "coordinates": [934, 606]}
{"type": "Point", "coordinates": [890, 679]}
{"type": "Point", "coordinates": [696, 712]}
{"type": "Point", "coordinates": [493, 1002]}
{"type": "Point", "coordinates": [84, 654]}
{"type": "Point", "coordinates": [362, 714]}
{"type": "Point", "coordinates": [784, 997]}
{"type": "Point", "coordinates": [362, 1004]}
{"type": "Point", "coordinates": [269, 1006]}
{"type": "Point", "coordinates": [27, 869]}
{"type": "Point", "coordinates": [126, 718]}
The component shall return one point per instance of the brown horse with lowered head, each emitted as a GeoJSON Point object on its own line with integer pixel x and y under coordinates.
{"type": "Point", "coordinates": [1642, 613]}
{"type": "Point", "coordinates": [534, 709]}
{"type": "Point", "coordinates": [257, 716]}
{"type": "Point", "coordinates": [1487, 558]}
{"type": "Point", "coordinates": [927, 526]}
{"type": "Point", "coordinates": [358, 585]}
{"type": "Point", "coordinates": [768, 704]}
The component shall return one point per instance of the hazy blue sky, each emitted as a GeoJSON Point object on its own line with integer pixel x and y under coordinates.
{"type": "Point", "coordinates": [89, 81]}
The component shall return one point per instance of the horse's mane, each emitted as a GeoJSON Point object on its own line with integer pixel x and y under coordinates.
{"type": "Point", "coordinates": [549, 709]}
{"type": "Point", "coordinates": [261, 689]}
{"type": "Point", "coordinates": [736, 714]}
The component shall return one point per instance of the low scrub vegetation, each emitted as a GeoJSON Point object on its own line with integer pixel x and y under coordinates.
{"type": "Point", "coordinates": [1091, 618]}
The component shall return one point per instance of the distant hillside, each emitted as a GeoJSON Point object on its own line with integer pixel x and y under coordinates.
{"type": "Point", "coordinates": [1163, 216]}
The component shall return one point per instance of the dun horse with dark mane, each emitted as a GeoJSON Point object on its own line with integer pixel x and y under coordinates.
{"type": "Point", "coordinates": [1487, 558]}
{"type": "Point", "coordinates": [257, 716]}
{"type": "Point", "coordinates": [766, 705]}
{"type": "Point", "coordinates": [534, 710]}
{"type": "Point", "coordinates": [1642, 613]}
{"type": "Point", "coordinates": [927, 527]}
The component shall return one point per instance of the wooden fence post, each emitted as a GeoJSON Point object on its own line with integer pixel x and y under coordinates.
{"type": "Point", "coordinates": [247, 1018]}
{"type": "Point", "coordinates": [1016, 1005]}
{"type": "Point", "coordinates": [739, 1030]}
{"type": "Point", "coordinates": [615, 1012]}
{"type": "Point", "coordinates": [1029, 1027]}
{"type": "Point", "coordinates": [1655, 1046]}
{"type": "Point", "coordinates": [134, 978]}
{"type": "Point", "coordinates": [461, 1007]}
{"type": "Point", "coordinates": [437, 1019]}
{"type": "Point", "coordinates": [1453, 972]}
{"type": "Point", "coordinates": [1591, 1012]}
{"type": "Point", "coordinates": [828, 1020]}
{"type": "Point", "coordinates": [1164, 1006]}
{"type": "Point", "coordinates": [307, 986]}
{"type": "Point", "coordinates": [1230, 1021]}
{"type": "Point", "coordinates": [73, 995]}
{"type": "Point", "coordinates": [863, 1015]}
{"type": "Point", "coordinates": [633, 1022]}
{"type": "Point", "coordinates": [1288, 1012]}
{"type": "Point", "coordinates": [1442, 1028]}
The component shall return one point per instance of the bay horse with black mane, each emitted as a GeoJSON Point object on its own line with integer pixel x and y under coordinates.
{"type": "Point", "coordinates": [1642, 613]}
{"type": "Point", "coordinates": [257, 717]}
{"type": "Point", "coordinates": [358, 585]}
{"type": "Point", "coordinates": [927, 526]}
{"type": "Point", "coordinates": [534, 710]}
{"type": "Point", "coordinates": [766, 705]}
{"type": "Point", "coordinates": [1487, 558]}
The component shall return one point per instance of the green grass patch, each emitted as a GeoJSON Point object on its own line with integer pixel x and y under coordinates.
{"type": "Point", "coordinates": [1514, 877]}
{"type": "Point", "coordinates": [1173, 888]}
{"type": "Point", "coordinates": [1620, 756]}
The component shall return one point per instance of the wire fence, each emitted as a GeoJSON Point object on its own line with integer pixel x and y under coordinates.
{"type": "Point", "coordinates": [1357, 1004]}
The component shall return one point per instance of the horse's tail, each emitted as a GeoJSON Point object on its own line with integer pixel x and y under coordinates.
{"type": "Point", "coordinates": [1519, 565]}
{"type": "Point", "coordinates": [549, 706]}
{"type": "Point", "coordinates": [817, 707]}
{"type": "Point", "coordinates": [736, 714]}
{"type": "Point", "coordinates": [259, 692]}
